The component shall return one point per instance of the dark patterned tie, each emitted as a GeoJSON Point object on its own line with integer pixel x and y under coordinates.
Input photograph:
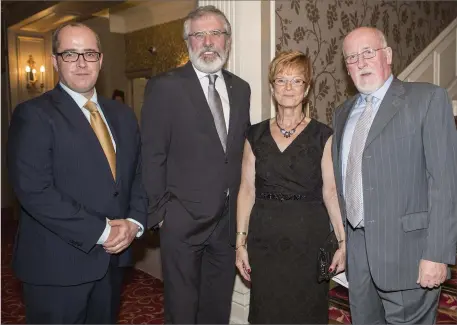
{"type": "Point", "coordinates": [102, 133]}
{"type": "Point", "coordinates": [215, 105]}
{"type": "Point", "coordinates": [353, 182]}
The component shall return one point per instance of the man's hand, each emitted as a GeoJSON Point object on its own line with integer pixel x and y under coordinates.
{"type": "Point", "coordinates": [431, 274]}
{"type": "Point", "coordinates": [121, 235]}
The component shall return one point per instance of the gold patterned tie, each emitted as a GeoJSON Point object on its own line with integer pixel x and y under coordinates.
{"type": "Point", "coordinates": [102, 133]}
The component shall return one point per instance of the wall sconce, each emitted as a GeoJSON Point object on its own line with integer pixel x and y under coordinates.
{"type": "Point", "coordinates": [42, 71]}
{"type": "Point", "coordinates": [31, 76]}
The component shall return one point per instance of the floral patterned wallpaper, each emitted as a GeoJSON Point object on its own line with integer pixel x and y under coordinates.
{"type": "Point", "coordinates": [318, 27]}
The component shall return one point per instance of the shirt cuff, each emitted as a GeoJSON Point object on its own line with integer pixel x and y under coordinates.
{"type": "Point", "coordinates": [105, 233]}
{"type": "Point", "coordinates": [140, 226]}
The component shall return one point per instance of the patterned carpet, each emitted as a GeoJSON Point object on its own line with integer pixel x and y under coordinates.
{"type": "Point", "coordinates": [142, 297]}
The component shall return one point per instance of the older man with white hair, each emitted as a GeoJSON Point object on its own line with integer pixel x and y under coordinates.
{"type": "Point", "coordinates": [395, 158]}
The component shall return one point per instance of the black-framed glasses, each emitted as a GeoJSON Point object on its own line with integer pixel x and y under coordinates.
{"type": "Point", "coordinates": [70, 56]}
{"type": "Point", "coordinates": [213, 33]}
{"type": "Point", "coordinates": [366, 54]}
{"type": "Point", "coordinates": [294, 82]}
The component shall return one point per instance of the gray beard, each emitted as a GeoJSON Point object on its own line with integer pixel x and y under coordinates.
{"type": "Point", "coordinates": [207, 67]}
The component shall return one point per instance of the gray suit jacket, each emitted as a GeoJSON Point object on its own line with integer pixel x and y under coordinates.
{"type": "Point", "coordinates": [409, 173]}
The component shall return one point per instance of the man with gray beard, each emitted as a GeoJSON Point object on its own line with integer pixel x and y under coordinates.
{"type": "Point", "coordinates": [194, 120]}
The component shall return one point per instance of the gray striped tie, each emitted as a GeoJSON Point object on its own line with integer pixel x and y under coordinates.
{"type": "Point", "coordinates": [353, 182]}
{"type": "Point", "coordinates": [215, 105]}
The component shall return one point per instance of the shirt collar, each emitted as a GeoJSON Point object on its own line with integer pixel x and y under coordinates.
{"type": "Point", "coordinates": [78, 98]}
{"type": "Point", "coordinates": [380, 92]}
{"type": "Point", "coordinates": [202, 75]}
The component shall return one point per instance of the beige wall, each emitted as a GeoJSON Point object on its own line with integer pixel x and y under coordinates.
{"type": "Point", "coordinates": [318, 28]}
{"type": "Point", "coordinates": [14, 91]}
{"type": "Point", "coordinates": [112, 76]}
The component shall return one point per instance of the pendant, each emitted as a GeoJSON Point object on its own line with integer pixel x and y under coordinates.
{"type": "Point", "coordinates": [287, 134]}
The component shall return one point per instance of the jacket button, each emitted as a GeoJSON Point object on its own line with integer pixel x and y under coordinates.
{"type": "Point", "coordinates": [115, 194]}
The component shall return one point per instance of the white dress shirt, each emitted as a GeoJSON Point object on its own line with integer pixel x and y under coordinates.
{"type": "Point", "coordinates": [81, 101]}
{"type": "Point", "coordinates": [221, 89]}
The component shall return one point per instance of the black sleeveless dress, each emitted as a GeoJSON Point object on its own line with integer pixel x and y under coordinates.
{"type": "Point", "coordinates": [288, 224]}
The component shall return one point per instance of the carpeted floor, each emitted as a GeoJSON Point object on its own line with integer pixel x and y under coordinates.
{"type": "Point", "coordinates": [142, 297]}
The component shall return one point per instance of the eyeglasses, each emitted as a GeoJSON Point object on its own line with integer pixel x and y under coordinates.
{"type": "Point", "coordinates": [367, 54]}
{"type": "Point", "coordinates": [70, 56]}
{"type": "Point", "coordinates": [212, 33]}
{"type": "Point", "coordinates": [295, 82]}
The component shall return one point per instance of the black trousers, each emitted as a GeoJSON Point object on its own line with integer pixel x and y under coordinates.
{"type": "Point", "coordinates": [198, 279]}
{"type": "Point", "coordinates": [95, 302]}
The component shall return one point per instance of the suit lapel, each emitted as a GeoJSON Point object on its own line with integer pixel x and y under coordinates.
{"type": "Point", "coordinates": [233, 111]}
{"type": "Point", "coordinates": [68, 108]}
{"type": "Point", "coordinates": [194, 89]}
{"type": "Point", "coordinates": [392, 102]}
{"type": "Point", "coordinates": [113, 125]}
{"type": "Point", "coordinates": [340, 125]}
{"type": "Point", "coordinates": [342, 120]}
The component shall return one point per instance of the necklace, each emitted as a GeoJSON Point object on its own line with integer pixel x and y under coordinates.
{"type": "Point", "coordinates": [288, 134]}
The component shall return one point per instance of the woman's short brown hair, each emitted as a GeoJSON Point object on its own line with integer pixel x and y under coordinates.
{"type": "Point", "coordinates": [290, 60]}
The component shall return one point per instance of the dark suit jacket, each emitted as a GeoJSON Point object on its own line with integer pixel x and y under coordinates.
{"type": "Point", "coordinates": [409, 181]}
{"type": "Point", "coordinates": [66, 190]}
{"type": "Point", "coordinates": [186, 172]}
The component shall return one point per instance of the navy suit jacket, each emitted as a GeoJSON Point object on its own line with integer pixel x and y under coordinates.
{"type": "Point", "coordinates": [66, 190]}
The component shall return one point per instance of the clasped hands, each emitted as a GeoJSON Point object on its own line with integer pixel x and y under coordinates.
{"type": "Point", "coordinates": [431, 274]}
{"type": "Point", "coordinates": [121, 235]}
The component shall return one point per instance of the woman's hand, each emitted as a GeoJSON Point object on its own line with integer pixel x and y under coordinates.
{"type": "Point", "coordinates": [242, 262]}
{"type": "Point", "coordinates": [339, 261]}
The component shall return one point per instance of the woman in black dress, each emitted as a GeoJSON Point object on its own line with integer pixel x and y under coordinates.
{"type": "Point", "coordinates": [287, 177]}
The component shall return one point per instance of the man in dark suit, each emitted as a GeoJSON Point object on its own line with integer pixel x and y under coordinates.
{"type": "Point", "coordinates": [194, 120]}
{"type": "Point", "coordinates": [395, 157]}
{"type": "Point", "coordinates": [74, 163]}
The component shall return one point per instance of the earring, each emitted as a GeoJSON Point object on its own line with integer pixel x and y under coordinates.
{"type": "Point", "coordinates": [306, 92]}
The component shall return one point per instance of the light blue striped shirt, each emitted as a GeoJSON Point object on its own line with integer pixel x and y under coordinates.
{"type": "Point", "coordinates": [354, 116]}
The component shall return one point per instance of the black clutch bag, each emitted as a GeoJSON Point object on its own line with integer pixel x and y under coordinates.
{"type": "Point", "coordinates": [325, 256]}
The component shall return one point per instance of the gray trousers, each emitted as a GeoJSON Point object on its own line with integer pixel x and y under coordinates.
{"type": "Point", "coordinates": [370, 305]}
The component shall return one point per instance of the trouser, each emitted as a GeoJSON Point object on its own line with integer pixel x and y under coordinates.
{"type": "Point", "coordinates": [96, 302]}
{"type": "Point", "coordinates": [370, 305]}
{"type": "Point", "coordinates": [198, 279]}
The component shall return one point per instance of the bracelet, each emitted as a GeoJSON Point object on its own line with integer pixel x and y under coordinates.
{"type": "Point", "coordinates": [341, 241]}
{"type": "Point", "coordinates": [242, 245]}
{"type": "Point", "coordinates": [241, 233]}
